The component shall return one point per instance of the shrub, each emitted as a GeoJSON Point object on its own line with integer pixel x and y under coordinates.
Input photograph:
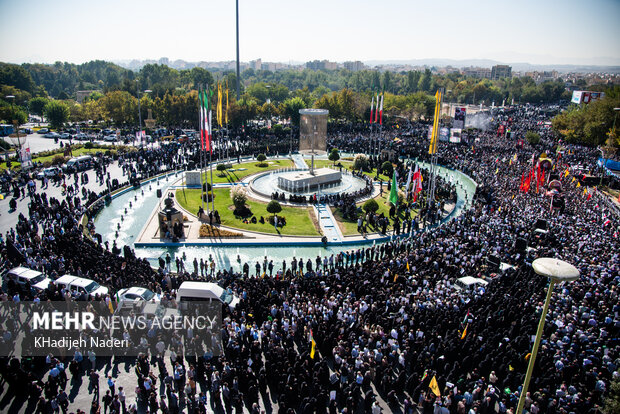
{"type": "Point", "coordinates": [207, 230]}
{"type": "Point", "coordinates": [261, 157]}
{"type": "Point", "coordinates": [221, 168]}
{"type": "Point", "coordinates": [58, 160]}
{"type": "Point", "coordinates": [239, 196]}
{"type": "Point", "coordinates": [532, 137]}
{"type": "Point", "coordinates": [387, 168]}
{"type": "Point", "coordinates": [334, 155]}
{"type": "Point", "coordinates": [360, 162]}
{"type": "Point", "coordinates": [274, 207]}
{"type": "Point", "coordinates": [88, 145]}
{"type": "Point", "coordinates": [371, 206]}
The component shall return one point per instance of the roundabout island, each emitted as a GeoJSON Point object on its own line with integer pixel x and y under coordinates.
{"type": "Point", "coordinates": [311, 222]}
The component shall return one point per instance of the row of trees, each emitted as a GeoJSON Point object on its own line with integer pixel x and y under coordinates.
{"type": "Point", "coordinates": [345, 94]}
{"type": "Point", "coordinates": [61, 80]}
{"type": "Point", "coordinates": [591, 124]}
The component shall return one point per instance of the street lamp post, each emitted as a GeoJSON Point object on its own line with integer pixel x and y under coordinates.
{"type": "Point", "coordinates": [16, 123]}
{"type": "Point", "coordinates": [140, 109]}
{"type": "Point", "coordinates": [557, 271]}
{"type": "Point", "coordinates": [238, 73]}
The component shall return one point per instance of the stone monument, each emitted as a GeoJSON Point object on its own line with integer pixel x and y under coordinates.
{"type": "Point", "coordinates": [313, 133]}
{"type": "Point", "coordinates": [170, 221]}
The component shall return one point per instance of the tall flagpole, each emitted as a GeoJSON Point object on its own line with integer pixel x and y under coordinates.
{"type": "Point", "coordinates": [211, 171]}
{"type": "Point", "coordinates": [434, 139]}
{"type": "Point", "coordinates": [200, 149]}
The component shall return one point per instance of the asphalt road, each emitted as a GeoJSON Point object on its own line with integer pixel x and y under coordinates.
{"type": "Point", "coordinates": [38, 143]}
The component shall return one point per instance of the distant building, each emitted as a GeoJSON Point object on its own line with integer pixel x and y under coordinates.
{"type": "Point", "coordinates": [81, 95]}
{"type": "Point", "coordinates": [483, 73]}
{"type": "Point", "coordinates": [354, 66]}
{"type": "Point", "coordinates": [256, 64]}
{"type": "Point", "coordinates": [501, 71]}
{"type": "Point", "coordinates": [321, 65]}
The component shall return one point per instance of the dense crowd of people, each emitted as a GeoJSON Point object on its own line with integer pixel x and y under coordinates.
{"type": "Point", "coordinates": [371, 327]}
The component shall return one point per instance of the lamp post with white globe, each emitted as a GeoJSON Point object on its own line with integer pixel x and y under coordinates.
{"type": "Point", "coordinates": [557, 271]}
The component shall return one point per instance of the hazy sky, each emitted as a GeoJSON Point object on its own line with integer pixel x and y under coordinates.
{"type": "Point", "coordinates": [534, 31]}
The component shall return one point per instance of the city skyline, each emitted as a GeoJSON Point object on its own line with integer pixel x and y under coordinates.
{"type": "Point", "coordinates": [534, 32]}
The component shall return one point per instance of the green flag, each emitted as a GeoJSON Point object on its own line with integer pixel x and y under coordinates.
{"type": "Point", "coordinates": [394, 191]}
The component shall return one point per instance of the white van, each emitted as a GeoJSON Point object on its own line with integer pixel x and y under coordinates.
{"type": "Point", "coordinates": [80, 163]}
{"type": "Point", "coordinates": [79, 286]}
{"type": "Point", "coordinates": [470, 284]}
{"type": "Point", "coordinates": [21, 275]}
{"type": "Point", "coordinates": [205, 292]}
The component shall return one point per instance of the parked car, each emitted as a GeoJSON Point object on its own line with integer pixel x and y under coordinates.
{"type": "Point", "coordinates": [65, 135]}
{"type": "Point", "coordinates": [138, 293]}
{"type": "Point", "coordinates": [81, 136]}
{"type": "Point", "coordinates": [51, 135]}
{"type": "Point", "coordinates": [43, 131]}
{"type": "Point", "coordinates": [23, 275]}
{"type": "Point", "coordinates": [49, 172]}
{"type": "Point", "coordinates": [81, 286]}
{"type": "Point", "coordinates": [110, 138]}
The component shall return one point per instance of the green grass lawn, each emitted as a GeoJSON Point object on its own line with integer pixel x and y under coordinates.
{"type": "Point", "coordinates": [76, 153]}
{"type": "Point", "coordinates": [298, 221]}
{"type": "Point", "coordinates": [350, 227]}
{"type": "Point", "coordinates": [250, 168]}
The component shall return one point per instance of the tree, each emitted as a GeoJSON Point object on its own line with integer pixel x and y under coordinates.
{"type": "Point", "coordinates": [360, 162]}
{"type": "Point", "coordinates": [291, 108]}
{"type": "Point", "coordinates": [334, 155]}
{"type": "Point", "coordinates": [17, 76]}
{"type": "Point", "coordinates": [532, 137]}
{"type": "Point", "coordinates": [122, 107]}
{"type": "Point", "coordinates": [424, 84]}
{"type": "Point", "coordinates": [387, 168]}
{"type": "Point", "coordinates": [11, 113]}
{"type": "Point", "coordinates": [261, 158]}
{"type": "Point", "coordinates": [612, 399]}
{"type": "Point", "coordinates": [370, 206]}
{"type": "Point", "coordinates": [37, 105]}
{"type": "Point", "coordinates": [57, 113]}
{"type": "Point", "coordinates": [274, 207]}
{"type": "Point", "coordinates": [221, 168]}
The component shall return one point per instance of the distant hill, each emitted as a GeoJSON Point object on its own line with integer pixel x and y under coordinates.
{"type": "Point", "coordinates": [136, 65]}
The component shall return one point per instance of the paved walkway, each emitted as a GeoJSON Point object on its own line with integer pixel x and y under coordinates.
{"type": "Point", "coordinates": [328, 223]}
{"type": "Point", "coordinates": [299, 161]}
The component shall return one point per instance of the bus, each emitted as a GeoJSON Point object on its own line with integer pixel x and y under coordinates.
{"type": "Point", "coordinates": [6, 130]}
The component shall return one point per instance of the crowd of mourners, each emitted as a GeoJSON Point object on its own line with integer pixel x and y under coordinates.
{"type": "Point", "coordinates": [369, 328]}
